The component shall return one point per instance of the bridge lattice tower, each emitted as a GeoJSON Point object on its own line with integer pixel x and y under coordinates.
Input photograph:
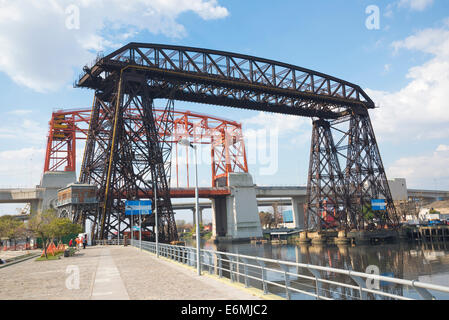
{"type": "Point", "coordinates": [125, 156]}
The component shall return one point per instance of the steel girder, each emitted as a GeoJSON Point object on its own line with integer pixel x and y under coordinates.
{"type": "Point", "coordinates": [326, 194]}
{"type": "Point", "coordinates": [224, 136]}
{"type": "Point", "coordinates": [125, 162]}
{"type": "Point", "coordinates": [362, 179]}
{"type": "Point", "coordinates": [230, 79]}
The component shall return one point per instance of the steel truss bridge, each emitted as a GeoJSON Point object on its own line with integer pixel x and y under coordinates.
{"type": "Point", "coordinates": [225, 137]}
{"type": "Point", "coordinates": [126, 156]}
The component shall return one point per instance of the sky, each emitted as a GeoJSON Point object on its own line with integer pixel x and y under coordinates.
{"type": "Point", "coordinates": [396, 50]}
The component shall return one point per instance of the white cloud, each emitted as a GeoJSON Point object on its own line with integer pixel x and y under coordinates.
{"type": "Point", "coordinates": [21, 167]}
{"type": "Point", "coordinates": [416, 5]}
{"type": "Point", "coordinates": [23, 131]}
{"type": "Point", "coordinates": [284, 124]}
{"type": "Point", "coordinates": [419, 110]}
{"type": "Point", "coordinates": [442, 148]}
{"type": "Point", "coordinates": [40, 52]}
{"type": "Point", "coordinates": [20, 112]}
{"type": "Point", "coordinates": [426, 171]}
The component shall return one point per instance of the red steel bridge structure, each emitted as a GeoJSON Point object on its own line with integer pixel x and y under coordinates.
{"type": "Point", "coordinates": [125, 157]}
{"type": "Point", "coordinates": [225, 137]}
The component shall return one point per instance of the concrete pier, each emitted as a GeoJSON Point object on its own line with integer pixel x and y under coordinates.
{"type": "Point", "coordinates": [236, 217]}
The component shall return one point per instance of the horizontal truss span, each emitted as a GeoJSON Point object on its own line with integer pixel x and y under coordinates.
{"type": "Point", "coordinates": [224, 78]}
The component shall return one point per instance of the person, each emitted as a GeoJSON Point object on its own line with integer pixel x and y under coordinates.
{"type": "Point", "coordinates": [70, 242]}
{"type": "Point", "coordinates": [84, 241]}
{"type": "Point", "coordinates": [77, 240]}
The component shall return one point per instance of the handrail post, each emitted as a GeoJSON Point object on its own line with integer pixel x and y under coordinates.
{"type": "Point", "coordinates": [424, 293]}
{"type": "Point", "coordinates": [317, 276]}
{"type": "Point", "coordinates": [245, 267]}
{"type": "Point", "coordinates": [231, 264]}
{"type": "Point", "coordinates": [211, 261]}
{"type": "Point", "coordinates": [220, 269]}
{"type": "Point", "coordinates": [264, 276]}
{"type": "Point", "coordinates": [362, 285]}
{"type": "Point", "coordinates": [287, 280]}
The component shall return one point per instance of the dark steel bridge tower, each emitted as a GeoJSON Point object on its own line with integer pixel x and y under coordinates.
{"type": "Point", "coordinates": [345, 176]}
{"type": "Point", "coordinates": [125, 156]}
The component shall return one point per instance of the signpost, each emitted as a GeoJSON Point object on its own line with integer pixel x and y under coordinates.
{"type": "Point", "coordinates": [138, 207]}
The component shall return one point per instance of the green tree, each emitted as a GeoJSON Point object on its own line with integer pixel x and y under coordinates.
{"type": "Point", "coordinates": [266, 218]}
{"type": "Point", "coordinates": [40, 226]}
{"type": "Point", "coordinates": [48, 226]}
{"type": "Point", "coordinates": [368, 212]}
{"type": "Point", "coordinates": [11, 228]}
{"type": "Point", "coordinates": [61, 227]}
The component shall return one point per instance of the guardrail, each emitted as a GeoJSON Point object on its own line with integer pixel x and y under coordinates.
{"type": "Point", "coordinates": [297, 280]}
{"type": "Point", "coordinates": [112, 242]}
{"type": "Point", "coordinates": [292, 279]}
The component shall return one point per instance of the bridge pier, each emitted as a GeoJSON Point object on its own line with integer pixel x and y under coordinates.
{"type": "Point", "coordinates": [298, 211]}
{"type": "Point", "coordinates": [194, 215]}
{"type": "Point", "coordinates": [51, 183]}
{"type": "Point", "coordinates": [236, 216]}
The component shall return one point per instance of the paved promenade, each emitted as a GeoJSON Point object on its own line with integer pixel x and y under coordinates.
{"type": "Point", "coordinates": [111, 272]}
{"type": "Point", "coordinates": [10, 254]}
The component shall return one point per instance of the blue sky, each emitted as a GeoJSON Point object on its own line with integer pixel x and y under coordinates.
{"type": "Point", "coordinates": [403, 66]}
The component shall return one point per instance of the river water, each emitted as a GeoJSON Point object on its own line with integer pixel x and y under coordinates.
{"type": "Point", "coordinates": [428, 262]}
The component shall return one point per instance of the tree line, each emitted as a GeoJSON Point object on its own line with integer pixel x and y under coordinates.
{"type": "Point", "coordinates": [47, 226]}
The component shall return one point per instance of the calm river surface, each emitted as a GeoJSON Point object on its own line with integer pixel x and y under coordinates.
{"type": "Point", "coordinates": [412, 261]}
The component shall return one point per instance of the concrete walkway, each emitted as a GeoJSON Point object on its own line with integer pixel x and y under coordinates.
{"type": "Point", "coordinates": [108, 284]}
{"type": "Point", "coordinates": [113, 272]}
{"type": "Point", "coordinates": [10, 254]}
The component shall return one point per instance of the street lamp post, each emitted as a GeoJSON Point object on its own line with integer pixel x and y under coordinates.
{"type": "Point", "coordinates": [156, 231]}
{"type": "Point", "coordinates": [155, 219]}
{"type": "Point", "coordinates": [140, 229]}
{"type": "Point", "coordinates": [187, 143]}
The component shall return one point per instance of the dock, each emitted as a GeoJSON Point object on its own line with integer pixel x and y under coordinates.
{"type": "Point", "coordinates": [439, 233]}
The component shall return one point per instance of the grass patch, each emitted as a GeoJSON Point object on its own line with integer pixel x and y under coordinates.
{"type": "Point", "coordinates": [50, 257]}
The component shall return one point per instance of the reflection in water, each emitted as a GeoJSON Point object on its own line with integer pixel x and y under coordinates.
{"type": "Point", "coordinates": [428, 262]}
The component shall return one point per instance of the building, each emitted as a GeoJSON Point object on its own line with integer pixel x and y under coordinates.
{"type": "Point", "coordinates": [77, 199]}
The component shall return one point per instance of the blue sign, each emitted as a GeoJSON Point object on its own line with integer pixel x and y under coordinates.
{"type": "Point", "coordinates": [287, 216]}
{"type": "Point", "coordinates": [385, 283]}
{"type": "Point", "coordinates": [378, 204]}
{"type": "Point", "coordinates": [136, 207]}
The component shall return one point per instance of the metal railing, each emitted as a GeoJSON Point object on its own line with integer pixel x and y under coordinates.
{"type": "Point", "coordinates": [294, 280]}
{"type": "Point", "coordinates": [111, 242]}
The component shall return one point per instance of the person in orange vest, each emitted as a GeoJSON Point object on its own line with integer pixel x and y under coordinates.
{"type": "Point", "coordinates": [77, 240]}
